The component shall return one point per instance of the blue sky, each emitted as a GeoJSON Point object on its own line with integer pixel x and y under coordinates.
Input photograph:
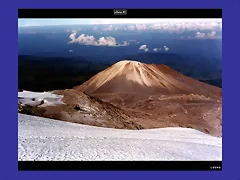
{"type": "Point", "coordinates": [48, 22]}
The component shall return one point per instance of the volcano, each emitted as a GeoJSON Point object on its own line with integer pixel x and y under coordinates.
{"type": "Point", "coordinates": [158, 96]}
{"type": "Point", "coordinates": [133, 77]}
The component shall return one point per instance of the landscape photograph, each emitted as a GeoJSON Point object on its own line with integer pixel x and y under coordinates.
{"type": "Point", "coordinates": [119, 89]}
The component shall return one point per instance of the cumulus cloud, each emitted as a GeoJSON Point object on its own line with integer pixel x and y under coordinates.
{"type": "Point", "coordinates": [125, 43]}
{"type": "Point", "coordinates": [107, 41]}
{"type": "Point", "coordinates": [109, 28]}
{"type": "Point", "coordinates": [90, 40]}
{"type": "Point", "coordinates": [146, 49]}
{"type": "Point", "coordinates": [200, 35]}
{"type": "Point", "coordinates": [83, 39]}
{"type": "Point", "coordinates": [143, 47]}
{"type": "Point", "coordinates": [141, 27]}
{"type": "Point", "coordinates": [166, 48]}
{"type": "Point", "coordinates": [210, 35]}
{"type": "Point", "coordinates": [73, 35]}
{"type": "Point", "coordinates": [138, 27]}
{"type": "Point", "coordinates": [156, 49]}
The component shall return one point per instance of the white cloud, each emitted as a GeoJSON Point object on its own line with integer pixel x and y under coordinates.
{"type": "Point", "coordinates": [143, 47]}
{"type": "Point", "coordinates": [83, 39]}
{"type": "Point", "coordinates": [166, 48]}
{"type": "Point", "coordinates": [125, 43]}
{"type": "Point", "coordinates": [107, 41]}
{"type": "Point", "coordinates": [151, 21]}
{"type": "Point", "coordinates": [70, 50]}
{"type": "Point", "coordinates": [141, 27]}
{"type": "Point", "coordinates": [170, 25]}
{"type": "Point", "coordinates": [109, 28]}
{"type": "Point", "coordinates": [143, 24]}
{"type": "Point", "coordinates": [212, 34]}
{"type": "Point", "coordinates": [73, 35]}
{"type": "Point", "coordinates": [189, 26]}
{"type": "Point", "coordinates": [200, 35]}
{"type": "Point", "coordinates": [156, 49]}
{"type": "Point", "coordinates": [146, 49]}
{"type": "Point", "coordinates": [90, 40]}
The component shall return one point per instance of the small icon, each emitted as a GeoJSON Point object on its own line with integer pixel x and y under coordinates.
{"type": "Point", "coordinates": [120, 12]}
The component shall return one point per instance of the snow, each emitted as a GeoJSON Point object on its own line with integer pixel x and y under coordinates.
{"type": "Point", "coordinates": [48, 139]}
{"type": "Point", "coordinates": [36, 98]}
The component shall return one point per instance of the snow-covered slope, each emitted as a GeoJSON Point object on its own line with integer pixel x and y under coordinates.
{"type": "Point", "coordinates": [39, 98]}
{"type": "Point", "coordinates": [47, 139]}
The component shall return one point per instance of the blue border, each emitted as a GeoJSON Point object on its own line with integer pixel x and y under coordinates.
{"type": "Point", "coordinates": [8, 89]}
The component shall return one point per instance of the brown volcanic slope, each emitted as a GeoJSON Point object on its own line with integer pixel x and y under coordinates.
{"type": "Point", "coordinates": [157, 96]}
{"type": "Point", "coordinates": [84, 109]}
